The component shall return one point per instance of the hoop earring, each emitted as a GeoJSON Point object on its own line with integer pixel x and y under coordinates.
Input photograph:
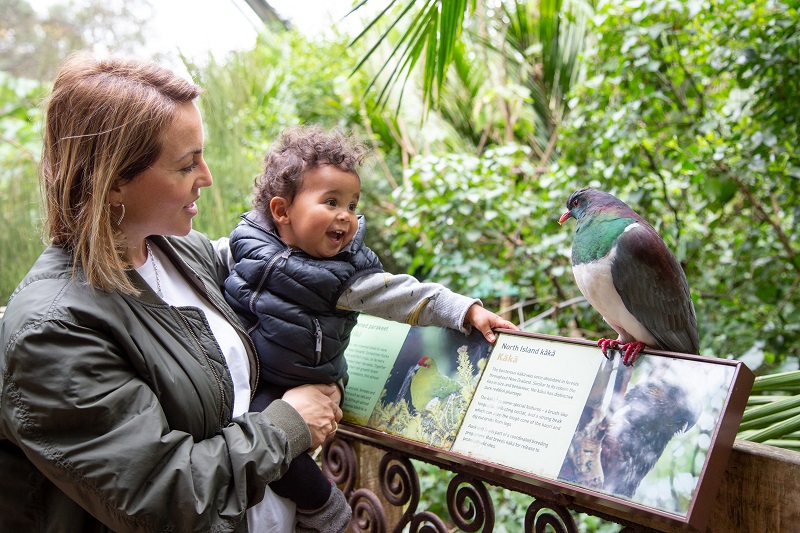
{"type": "Point", "coordinates": [119, 221]}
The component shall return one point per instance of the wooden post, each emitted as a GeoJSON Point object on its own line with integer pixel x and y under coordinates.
{"type": "Point", "coordinates": [369, 459]}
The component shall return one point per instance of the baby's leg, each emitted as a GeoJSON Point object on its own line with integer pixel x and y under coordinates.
{"type": "Point", "coordinates": [265, 395]}
{"type": "Point", "coordinates": [304, 483]}
{"type": "Point", "coordinates": [321, 506]}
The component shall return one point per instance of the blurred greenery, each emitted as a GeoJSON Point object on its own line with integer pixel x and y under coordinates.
{"type": "Point", "coordinates": [688, 111]}
{"type": "Point", "coordinates": [685, 111]}
{"type": "Point", "coordinates": [20, 146]}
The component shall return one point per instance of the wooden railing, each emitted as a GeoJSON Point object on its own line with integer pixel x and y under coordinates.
{"type": "Point", "coordinates": [760, 491]}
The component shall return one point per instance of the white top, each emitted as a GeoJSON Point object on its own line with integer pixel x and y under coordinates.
{"type": "Point", "coordinates": [273, 514]}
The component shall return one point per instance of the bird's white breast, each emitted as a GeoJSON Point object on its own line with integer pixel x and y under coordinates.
{"type": "Point", "coordinates": [596, 284]}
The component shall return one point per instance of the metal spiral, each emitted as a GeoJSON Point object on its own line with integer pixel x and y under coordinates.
{"type": "Point", "coordinates": [470, 504]}
{"type": "Point", "coordinates": [542, 514]}
{"type": "Point", "coordinates": [427, 522]}
{"type": "Point", "coordinates": [368, 513]}
{"type": "Point", "coordinates": [399, 481]}
{"type": "Point", "coordinates": [340, 463]}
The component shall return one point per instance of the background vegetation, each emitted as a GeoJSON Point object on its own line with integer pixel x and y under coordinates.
{"type": "Point", "coordinates": [483, 117]}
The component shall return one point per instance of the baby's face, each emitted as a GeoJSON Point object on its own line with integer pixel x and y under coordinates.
{"type": "Point", "coordinates": [322, 216]}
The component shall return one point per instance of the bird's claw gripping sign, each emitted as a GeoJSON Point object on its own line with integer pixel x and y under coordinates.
{"type": "Point", "coordinates": [654, 436]}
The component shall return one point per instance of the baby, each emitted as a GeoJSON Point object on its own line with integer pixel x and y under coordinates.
{"type": "Point", "coordinates": [303, 273]}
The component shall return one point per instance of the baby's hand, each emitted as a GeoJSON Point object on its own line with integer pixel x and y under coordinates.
{"type": "Point", "coordinates": [484, 321]}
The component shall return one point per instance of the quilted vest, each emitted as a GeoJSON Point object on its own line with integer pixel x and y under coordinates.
{"type": "Point", "coordinates": [287, 301]}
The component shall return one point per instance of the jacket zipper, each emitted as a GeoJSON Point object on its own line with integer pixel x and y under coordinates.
{"type": "Point", "coordinates": [233, 321]}
{"type": "Point", "coordinates": [210, 364]}
{"type": "Point", "coordinates": [267, 271]}
{"type": "Point", "coordinates": [318, 335]}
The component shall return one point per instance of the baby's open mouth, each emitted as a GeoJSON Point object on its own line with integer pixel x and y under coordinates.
{"type": "Point", "coordinates": [336, 235]}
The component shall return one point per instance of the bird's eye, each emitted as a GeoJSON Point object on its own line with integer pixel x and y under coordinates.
{"type": "Point", "coordinates": [575, 203]}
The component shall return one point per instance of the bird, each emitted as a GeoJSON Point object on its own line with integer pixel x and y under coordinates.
{"type": "Point", "coordinates": [429, 385]}
{"type": "Point", "coordinates": [627, 273]}
{"type": "Point", "coordinates": [654, 412]}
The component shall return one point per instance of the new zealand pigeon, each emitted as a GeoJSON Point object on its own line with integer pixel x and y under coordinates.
{"type": "Point", "coordinates": [627, 273]}
{"type": "Point", "coordinates": [429, 384]}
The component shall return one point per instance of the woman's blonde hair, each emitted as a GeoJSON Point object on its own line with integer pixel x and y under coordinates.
{"type": "Point", "coordinates": [103, 125]}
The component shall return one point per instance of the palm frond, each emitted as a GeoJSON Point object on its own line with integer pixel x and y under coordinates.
{"type": "Point", "coordinates": [432, 34]}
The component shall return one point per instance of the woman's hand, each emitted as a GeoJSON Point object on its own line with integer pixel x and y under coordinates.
{"type": "Point", "coordinates": [484, 321]}
{"type": "Point", "coordinates": [316, 405]}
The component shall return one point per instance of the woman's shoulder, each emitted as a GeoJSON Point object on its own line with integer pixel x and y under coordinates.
{"type": "Point", "coordinates": [51, 293]}
{"type": "Point", "coordinates": [49, 276]}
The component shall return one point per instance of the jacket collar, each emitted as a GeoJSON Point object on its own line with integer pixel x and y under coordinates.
{"type": "Point", "coordinates": [148, 295]}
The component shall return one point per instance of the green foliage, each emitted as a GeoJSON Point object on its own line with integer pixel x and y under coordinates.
{"type": "Point", "coordinates": [678, 122]}
{"type": "Point", "coordinates": [773, 410]}
{"type": "Point", "coordinates": [689, 117]}
{"type": "Point", "coordinates": [689, 113]}
{"type": "Point", "coordinates": [433, 33]}
{"type": "Point", "coordinates": [476, 222]}
{"type": "Point", "coordinates": [672, 121]}
{"type": "Point", "coordinates": [20, 149]}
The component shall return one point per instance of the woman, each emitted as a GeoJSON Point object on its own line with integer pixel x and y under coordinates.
{"type": "Point", "coordinates": [125, 375]}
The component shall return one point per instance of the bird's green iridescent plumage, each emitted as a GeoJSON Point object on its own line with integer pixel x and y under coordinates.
{"type": "Point", "coordinates": [428, 383]}
{"type": "Point", "coordinates": [595, 236]}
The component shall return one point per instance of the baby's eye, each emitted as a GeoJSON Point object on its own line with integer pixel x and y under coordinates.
{"type": "Point", "coordinates": [331, 202]}
{"type": "Point", "coordinates": [352, 207]}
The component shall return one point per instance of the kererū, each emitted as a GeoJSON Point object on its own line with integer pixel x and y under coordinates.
{"type": "Point", "coordinates": [627, 273]}
{"type": "Point", "coordinates": [429, 384]}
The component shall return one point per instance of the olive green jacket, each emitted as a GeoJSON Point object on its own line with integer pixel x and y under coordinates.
{"type": "Point", "coordinates": [115, 411]}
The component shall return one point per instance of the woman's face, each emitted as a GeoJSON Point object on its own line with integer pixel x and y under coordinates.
{"type": "Point", "coordinates": [161, 200]}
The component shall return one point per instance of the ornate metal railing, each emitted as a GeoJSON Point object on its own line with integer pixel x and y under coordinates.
{"type": "Point", "coordinates": [760, 491]}
{"type": "Point", "coordinates": [387, 498]}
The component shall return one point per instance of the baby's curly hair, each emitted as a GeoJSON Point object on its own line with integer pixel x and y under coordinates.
{"type": "Point", "coordinates": [298, 150]}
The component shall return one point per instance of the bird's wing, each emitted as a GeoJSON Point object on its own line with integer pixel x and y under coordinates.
{"type": "Point", "coordinates": [654, 289]}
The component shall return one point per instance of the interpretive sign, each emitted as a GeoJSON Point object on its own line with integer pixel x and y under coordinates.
{"type": "Point", "coordinates": [655, 436]}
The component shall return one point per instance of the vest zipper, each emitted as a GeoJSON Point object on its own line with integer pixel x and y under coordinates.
{"type": "Point", "coordinates": [267, 271]}
{"type": "Point", "coordinates": [318, 334]}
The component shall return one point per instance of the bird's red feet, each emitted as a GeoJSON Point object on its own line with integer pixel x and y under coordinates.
{"type": "Point", "coordinates": [629, 350]}
{"type": "Point", "coordinates": [609, 344]}
{"type": "Point", "coordinates": [632, 349]}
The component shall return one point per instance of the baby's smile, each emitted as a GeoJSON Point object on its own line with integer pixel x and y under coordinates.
{"type": "Point", "coordinates": [336, 236]}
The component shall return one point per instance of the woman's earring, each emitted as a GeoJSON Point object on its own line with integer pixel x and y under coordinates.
{"type": "Point", "coordinates": [122, 215]}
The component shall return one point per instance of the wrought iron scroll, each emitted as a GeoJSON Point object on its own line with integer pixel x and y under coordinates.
{"type": "Point", "coordinates": [399, 484]}
{"type": "Point", "coordinates": [540, 514]}
{"type": "Point", "coordinates": [340, 463]}
{"type": "Point", "coordinates": [468, 500]}
{"type": "Point", "coordinates": [470, 504]}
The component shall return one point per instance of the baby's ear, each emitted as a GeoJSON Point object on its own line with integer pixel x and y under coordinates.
{"type": "Point", "coordinates": [278, 207]}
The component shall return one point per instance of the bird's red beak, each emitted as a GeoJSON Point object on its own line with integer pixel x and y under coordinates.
{"type": "Point", "coordinates": [564, 217]}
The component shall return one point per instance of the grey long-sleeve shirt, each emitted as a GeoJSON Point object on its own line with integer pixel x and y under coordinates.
{"type": "Point", "coordinates": [403, 298]}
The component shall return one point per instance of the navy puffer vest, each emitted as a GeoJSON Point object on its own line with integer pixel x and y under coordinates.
{"type": "Point", "coordinates": [287, 301]}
